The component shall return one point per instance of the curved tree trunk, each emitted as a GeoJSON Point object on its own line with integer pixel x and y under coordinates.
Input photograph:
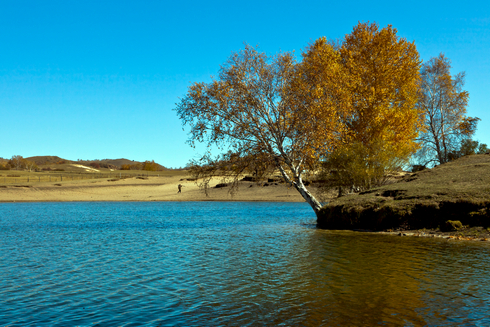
{"type": "Point", "coordinates": [312, 201]}
{"type": "Point", "coordinates": [300, 187]}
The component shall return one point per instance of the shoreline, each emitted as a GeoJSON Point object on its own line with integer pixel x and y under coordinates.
{"type": "Point", "coordinates": [165, 189]}
{"type": "Point", "coordinates": [474, 234]}
{"type": "Point", "coordinates": [202, 200]}
{"type": "Point", "coordinates": [442, 235]}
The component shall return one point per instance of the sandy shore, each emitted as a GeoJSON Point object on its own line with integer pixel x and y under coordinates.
{"type": "Point", "coordinates": [151, 189]}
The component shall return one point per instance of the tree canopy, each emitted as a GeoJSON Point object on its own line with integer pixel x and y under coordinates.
{"type": "Point", "coordinates": [290, 115]}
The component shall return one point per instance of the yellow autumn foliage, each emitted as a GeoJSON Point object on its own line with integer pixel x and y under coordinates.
{"type": "Point", "coordinates": [357, 167]}
{"type": "Point", "coordinates": [365, 93]}
{"type": "Point", "coordinates": [382, 83]}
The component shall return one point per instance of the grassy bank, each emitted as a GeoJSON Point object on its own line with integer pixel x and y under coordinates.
{"type": "Point", "coordinates": [457, 191]}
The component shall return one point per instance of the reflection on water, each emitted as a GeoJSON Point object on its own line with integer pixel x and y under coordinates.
{"type": "Point", "coordinates": [226, 264]}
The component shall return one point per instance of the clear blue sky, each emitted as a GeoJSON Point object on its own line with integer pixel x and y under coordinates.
{"type": "Point", "coordinates": [99, 79]}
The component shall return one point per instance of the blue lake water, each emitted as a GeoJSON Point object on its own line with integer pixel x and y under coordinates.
{"type": "Point", "coordinates": [226, 264]}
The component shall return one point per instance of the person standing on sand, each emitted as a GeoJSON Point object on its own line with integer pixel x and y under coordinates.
{"type": "Point", "coordinates": [180, 186]}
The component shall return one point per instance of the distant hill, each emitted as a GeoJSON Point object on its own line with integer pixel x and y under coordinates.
{"type": "Point", "coordinates": [47, 160]}
{"type": "Point", "coordinates": [52, 160]}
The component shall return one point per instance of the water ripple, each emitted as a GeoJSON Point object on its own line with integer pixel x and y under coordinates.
{"type": "Point", "coordinates": [222, 264]}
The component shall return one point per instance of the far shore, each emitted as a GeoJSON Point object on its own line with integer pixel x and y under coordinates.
{"type": "Point", "coordinates": [150, 189]}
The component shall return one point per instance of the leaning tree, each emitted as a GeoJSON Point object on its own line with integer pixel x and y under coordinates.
{"type": "Point", "coordinates": [253, 109]}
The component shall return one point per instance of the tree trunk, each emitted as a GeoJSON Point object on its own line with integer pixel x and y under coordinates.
{"type": "Point", "coordinates": [300, 187]}
{"type": "Point", "coordinates": [315, 205]}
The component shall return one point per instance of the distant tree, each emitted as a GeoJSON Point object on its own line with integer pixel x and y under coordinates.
{"type": "Point", "coordinates": [29, 165]}
{"type": "Point", "coordinates": [16, 162]}
{"type": "Point", "coordinates": [150, 166]}
{"type": "Point", "coordinates": [443, 104]}
{"type": "Point", "coordinates": [136, 166]}
{"type": "Point", "coordinates": [483, 148]}
{"type": "Point", "coordinates": [468, 147]}
{"type": "Point", "coordinates": [4, 164]}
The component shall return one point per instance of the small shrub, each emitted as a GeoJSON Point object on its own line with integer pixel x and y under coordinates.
{"type": "Point", "coordinates": [416, 168]}
{"type": "Point", "coordinates": [132, 167]}
{"type": "Point", "coordinates": [451, 226]}
{"type": "Point", "coordinates": [358, 166]}
{"type": "Point", "coordinates": [125, 167]}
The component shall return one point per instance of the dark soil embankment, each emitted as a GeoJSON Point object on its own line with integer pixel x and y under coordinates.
{"type": "Point", "coordinates": [459, 190]}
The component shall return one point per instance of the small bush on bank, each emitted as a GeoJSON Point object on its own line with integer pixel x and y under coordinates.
{"type": "Point", "coordinates": [360, 167]}
{"type": "Point", "coordinates": [417, 168]}
{"type": "Point", "coordinates": [131, 167]}
{"type": "Point", "coordinates": [451, 226]}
